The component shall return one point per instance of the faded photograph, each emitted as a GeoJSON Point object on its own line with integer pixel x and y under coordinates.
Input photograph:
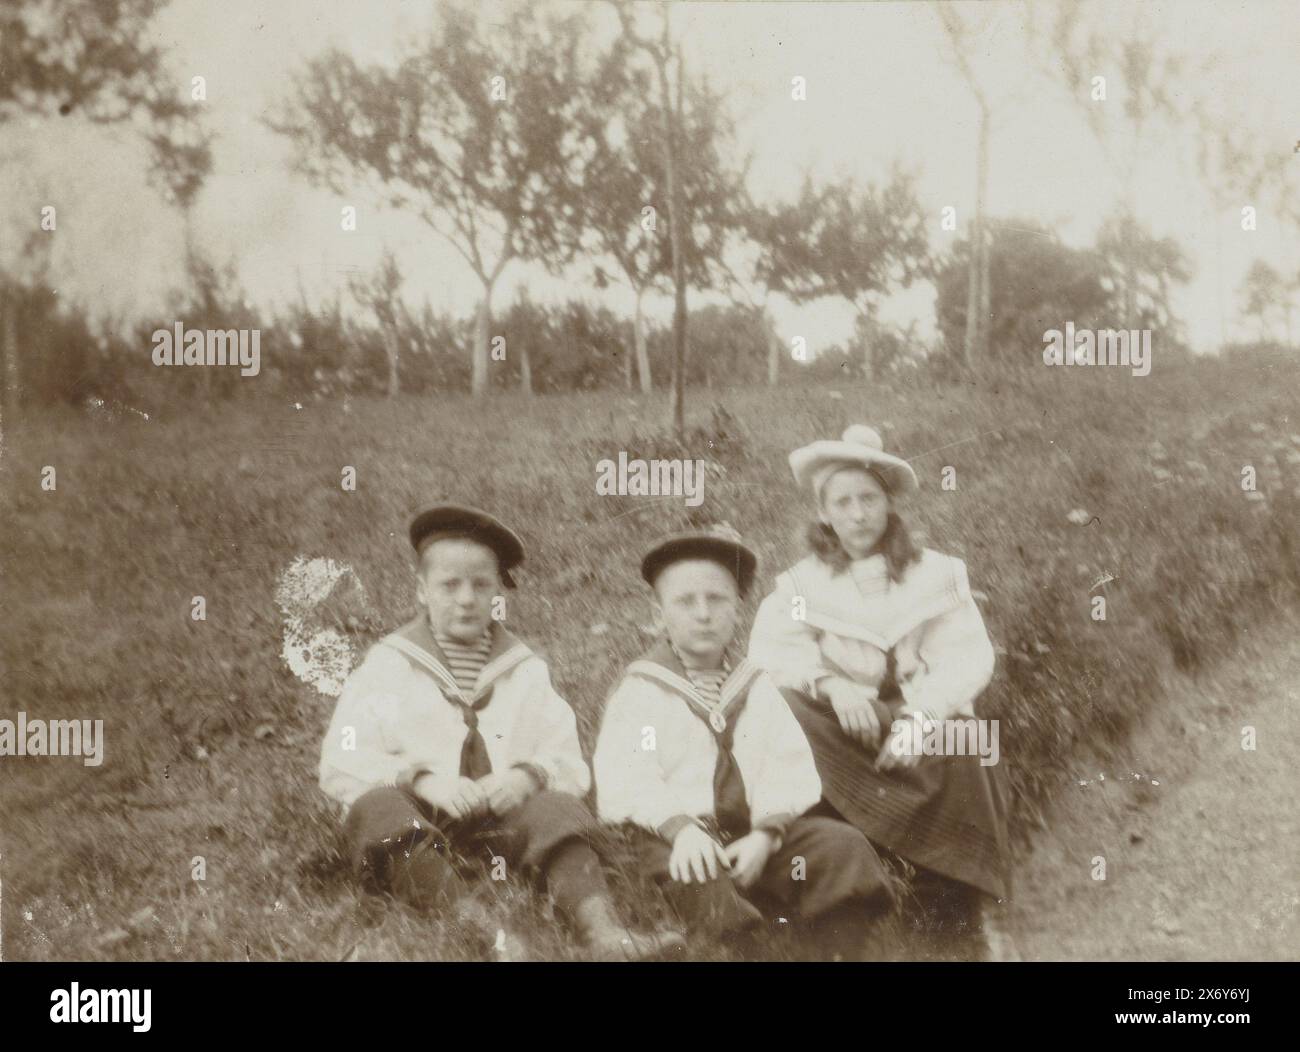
{"type": "Point", "coordinates": [629, 481]}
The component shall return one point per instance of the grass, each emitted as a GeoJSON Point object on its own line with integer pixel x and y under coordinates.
{"type": "Point", "coordinates": [211, 742]}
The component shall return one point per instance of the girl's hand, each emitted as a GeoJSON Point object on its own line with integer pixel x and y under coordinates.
{"type": "Point", "coordinates": [902, 749]}
{"type": "Point", "coordinates": [852, 705]}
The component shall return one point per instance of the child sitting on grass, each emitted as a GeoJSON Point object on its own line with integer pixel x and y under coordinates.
{"type": "Point", "coordinates": [450, 740]}
{"type": "Point", "coordinates": [708, 764]}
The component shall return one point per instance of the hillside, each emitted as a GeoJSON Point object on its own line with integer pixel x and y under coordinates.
{"type": "Point", "coordinates": [211, 738]}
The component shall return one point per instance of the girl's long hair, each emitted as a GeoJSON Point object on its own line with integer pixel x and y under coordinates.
{"type": "Point", "coordinates": [896, 544]}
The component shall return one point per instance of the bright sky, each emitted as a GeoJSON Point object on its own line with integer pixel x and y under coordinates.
{"type": "Point", "coordinates": [880, 87]}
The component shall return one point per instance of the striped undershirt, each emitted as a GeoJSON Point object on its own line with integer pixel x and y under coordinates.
{"type": "Point", "coordinates": [706, 681]}
{"type": "Point", "coordinates": [465, 662]}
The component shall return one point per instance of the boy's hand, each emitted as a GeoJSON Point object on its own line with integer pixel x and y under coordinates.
{"type": "Point", "coordinates": [696, 856]}
{"type": "Point", "coordinates": [852, 704]}
{"type": "Point", "coordinates": [461, 798]}
{"type": "Point", "coordinates": [506, 790]}
{"type": "Point", "coordinates": [749, 856]}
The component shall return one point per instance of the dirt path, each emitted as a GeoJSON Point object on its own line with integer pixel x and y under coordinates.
{"type": "Point", "coordinates": [1201, 838]}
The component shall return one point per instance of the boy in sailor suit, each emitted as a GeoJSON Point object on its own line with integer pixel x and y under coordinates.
{"type": "Point", "coordinates": [707, 761]}
{"type": "Point", "coordinates": [449, 739]}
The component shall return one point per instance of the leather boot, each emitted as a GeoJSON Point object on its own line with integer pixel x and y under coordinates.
{"type": "Point", "coordinates": [609, 939]}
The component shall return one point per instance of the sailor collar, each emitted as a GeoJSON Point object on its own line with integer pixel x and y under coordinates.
{"type": "Point", "coordinates": [661, 665]}
{"type": "Point", "coordinates": [862, 603]}
{"type": "Point", "coordinates": [416, 641]}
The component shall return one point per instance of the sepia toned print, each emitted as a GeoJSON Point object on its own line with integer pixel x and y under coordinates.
{"type": "Point", "coordinates": [626, 481]}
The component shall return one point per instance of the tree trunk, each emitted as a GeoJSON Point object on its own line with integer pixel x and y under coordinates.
{"type": "Point", "coordinates": [390, 346]}
{"type": "Point", "coordinates": [9, 381]}
{"type": "Point", "coordinates": [1130, 275]}
{"type": "Point", "coordinates": [972, 297]}
{"type": "Point", "coordinates": [525, 371]}
{"type": "Point", "coordinates": [1218, 272]}
{"type": "Point", "coordinates": [868, 331]}
{"type": "Point", "coordinates": [638, 337]}
{"type": "Point", "coordinates": [479, 363]}
{"type": "Point", "coordinates": [985, 303]}
{"type": "Point", "coordinates": [195, 273]}
{"type": "Point", "coordinates": [676, 220]}
{"type": "Point", "coordinates": [773, 352]}
{"type": "Point", "coordinates": [975, 326]}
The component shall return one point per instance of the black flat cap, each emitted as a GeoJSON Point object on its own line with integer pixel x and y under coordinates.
{"type": "Point", "coordinates": [447, 521]}
{"type": "Point", "coordinates": [721, 545]}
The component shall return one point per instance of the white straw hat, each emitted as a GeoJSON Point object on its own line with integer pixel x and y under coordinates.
{"type": "Point", "coordinates": [859, 447]}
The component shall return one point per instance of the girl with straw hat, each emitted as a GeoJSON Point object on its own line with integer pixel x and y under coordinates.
{"type": "Point", "coordinates": [878, 642]}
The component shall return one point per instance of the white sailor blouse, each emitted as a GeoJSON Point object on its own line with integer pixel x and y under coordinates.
{"type": "Point", "coordinates": [818, 623]}
{"type": "Point", "coordinates": [401, 714]}
{"type": "Point", "coordinates": [658, 752]}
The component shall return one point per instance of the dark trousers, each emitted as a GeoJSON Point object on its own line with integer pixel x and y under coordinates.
{"type": "Point", "coordinates": [936, 903]}
{"type": "Point", "coordinates": [397, 845]}
{"type": "Point", "coordinates": [825, 873]}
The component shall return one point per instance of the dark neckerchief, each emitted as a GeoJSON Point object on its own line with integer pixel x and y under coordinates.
{"type": "Point", "coordinates": [662, 665]}
{"type": "Point", "coordinates": [417, 641]}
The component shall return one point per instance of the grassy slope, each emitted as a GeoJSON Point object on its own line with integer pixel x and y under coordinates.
{"type": "Point", "coordinates": [217, 501]}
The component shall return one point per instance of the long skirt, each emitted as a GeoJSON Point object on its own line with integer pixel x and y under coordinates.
{"type": "Point", "coordinates": [946, 814]}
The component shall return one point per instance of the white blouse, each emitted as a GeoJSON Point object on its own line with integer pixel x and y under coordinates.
{"type": "Point", "coordinates": [818, 623]}
{"type": "Point", "coordinates": [395, 720]}
{"type": "Point", "coordinates": [655, 758]}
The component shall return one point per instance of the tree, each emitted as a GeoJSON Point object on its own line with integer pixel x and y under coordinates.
{"type": "Point", "coordinates": [479, 131]}
{"type": "Point", "coordinates": [1231, 168]}
{"type": "Point", "coordinates": [181, 152]}
{"type": "Point", "coordinates": [571, 346]}
{"type": "Point", "coordinates": [1149, 72]}
{"type": "Point", "coordinates": [843, 240]}
{"type": "Point", "coordinates": [88, 58]}
{"type": "Point", "coordinates": [524, 335]}
{"type": "Point", "coordinates": [746, 286]}
{"type": "Point", "coordinates": [1139, 270]}
{"type": "Point", "coordinates": [1241, 165]}
{"type": "Point", "coordinates": [753, 270]}
{"type": "Point", "coordinates": [626, 191]}
{"type": "Point", "coordinates": [85, 57]}
{"type": "Point", "coordinates": [961, 39]}
{"type": "Point", "coordinates": [736, 337]}
{"type": "Point", "coordinates": [316, 357]}
{"type": "Point", "coordinates": [1267, 297]}
{"type": "Point", "coordinates": [665, 55]}
{"type": "Point", "coordinates": [1037, 284]}
{"type": "Point", "coordinates": [378, 293]}
{"type": "Point", "coordinates": [181, 149]}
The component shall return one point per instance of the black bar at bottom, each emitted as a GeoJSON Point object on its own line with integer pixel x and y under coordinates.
{"type": "Point", "coordinates": [645, 1004]}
